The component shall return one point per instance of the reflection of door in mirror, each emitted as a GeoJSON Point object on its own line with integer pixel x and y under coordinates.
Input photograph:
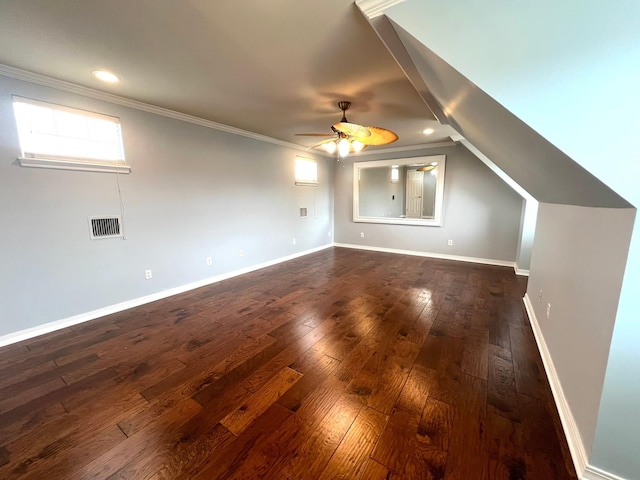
{"type": "Point", "coordinates": [429, 194]}
{"type": "Point", "coordinates": [414, 194]}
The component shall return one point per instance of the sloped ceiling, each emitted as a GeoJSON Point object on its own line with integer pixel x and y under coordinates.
{"type": "Point", "coordinates": [543, 170]}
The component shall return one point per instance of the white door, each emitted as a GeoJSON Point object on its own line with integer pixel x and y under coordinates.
{"type": "Point", "coordinates": [414, 194]}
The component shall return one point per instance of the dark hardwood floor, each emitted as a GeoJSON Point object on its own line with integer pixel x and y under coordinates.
{"type": "Point", "coordinates": [343, 364]}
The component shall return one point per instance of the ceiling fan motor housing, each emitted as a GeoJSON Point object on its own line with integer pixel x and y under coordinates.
{"type": "Point", "coordinates": [344, 106]}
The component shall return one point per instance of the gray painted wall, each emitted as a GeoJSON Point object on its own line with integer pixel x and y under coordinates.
{"type": "Point", "coordinates": [194, 192]}
{"type": "Point", "coordinates": [529, 208]}
{"type": "Point", "coordinates": [527, 233]}
{"type": "Point", "coordinates": [548, 79]}
{"type": "Point", "coordinates": [577, 262]}
{"type": "Point", "coordinates": [615, 448]}
{"type": "Point", "coordinates": [481, 213]}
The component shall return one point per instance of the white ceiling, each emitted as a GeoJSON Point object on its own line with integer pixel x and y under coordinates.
{"type": "Point", "coordinates": [269, 67]}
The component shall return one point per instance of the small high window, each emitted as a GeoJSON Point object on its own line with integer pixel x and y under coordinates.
{"type": "Point", "coordinates": [306, 171]}
{"type": "Point", "coordinates": [395, 174]}
{"type": "Point", "coordinates": [54, 136]}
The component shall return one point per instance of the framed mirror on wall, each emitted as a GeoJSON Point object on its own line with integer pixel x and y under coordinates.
{"type": "Point", "coordinates": [404, 191]}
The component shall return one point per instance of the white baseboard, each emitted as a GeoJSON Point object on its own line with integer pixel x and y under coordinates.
{"type": "Point", "coordinates": [576, 447]}
{"type": "Point", "coordinates": [458, 258]}
{"type": "Point", "coordinates": [574, 439]}
{"type": "Point", "coordinates": [101, 312]}
{"type": "Point", "coordinates": [520, 271]}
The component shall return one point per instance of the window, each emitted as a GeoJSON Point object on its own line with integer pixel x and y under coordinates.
{"type": "Point", "coordinates": [54, 136]}
{"type": "Point", "coordinates": [395, 174]}
{"type": "Point", "coordinates": [306, 171]}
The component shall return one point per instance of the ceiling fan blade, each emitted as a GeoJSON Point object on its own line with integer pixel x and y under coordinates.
{"type": "Point", "coordinates": [354, 150]}
{"type": "Point", "coordinates": [322, 142]}
{"type": "Point", "coordinates": [314, 134]}
{"type": "Point", "coordinates": [379, 136]}
{"type": "Point", "coordinates": [352, 129]}
{"type": "Point", "coordinates": [358, 136]}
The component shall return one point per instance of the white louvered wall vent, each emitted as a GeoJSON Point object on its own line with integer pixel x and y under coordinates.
{"type": "Point", "coordinates": [104, 227]}
{"type": "Point", "coordinates": [303, 212]}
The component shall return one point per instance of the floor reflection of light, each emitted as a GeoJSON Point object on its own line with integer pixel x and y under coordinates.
{"type": "Point", "coordinates": [424, 294]}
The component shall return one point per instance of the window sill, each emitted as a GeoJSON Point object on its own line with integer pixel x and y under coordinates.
{"type": "Point", "coordinates": [85, 166]}
{"type": "Point", "coordinates": [307, 184]}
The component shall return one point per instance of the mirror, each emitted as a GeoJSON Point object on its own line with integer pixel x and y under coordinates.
{"type": "Point", "coordinates": [406, 191]}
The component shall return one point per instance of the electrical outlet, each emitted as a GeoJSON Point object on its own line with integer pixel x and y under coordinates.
{"type": "Point", "coordinates": [209, 261]}
{"type": "Point", "coordinates": [361, 234]}
{"type": "Point", "coordinates": [548, 310]}
{"type": "Point", "coordinates": [540, 296]}
{"type": "Point", "coordinates": [449, 242]}
{"type": "Point", "coordinates": [294, 241]}
{"type": "Point", "coordinates": [242, 253]}
{"type": "Point", "coordinates": [148, 274]}
{"type": "Point", "coordinates": [329, 234]}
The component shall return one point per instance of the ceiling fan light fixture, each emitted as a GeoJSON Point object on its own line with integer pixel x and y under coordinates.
{"type": "Point", "coordinates": [351, 137]}
{"type": "Point", "coordinates": [330, 147]}
{"type": "Point", "coordinates": [343, 147]}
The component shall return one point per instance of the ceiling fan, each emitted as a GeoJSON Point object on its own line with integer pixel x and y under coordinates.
{"type": "Point", "coordinates": [350, 137]}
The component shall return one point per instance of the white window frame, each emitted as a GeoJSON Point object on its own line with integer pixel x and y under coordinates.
{"type": "Point", "coordinates": [306, 171]}
{"type": "Point", "coordinates": [34, 156]}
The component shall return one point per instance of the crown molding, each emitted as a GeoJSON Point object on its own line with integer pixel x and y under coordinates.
{"type": "Point", "coordinates": [375, 8]}
{"type": "Point", "coordinates": [383, 151]}
{"type": "Point", "coordinates": [407, 148]}
{"type": "Point", "coordinates": [63, 85]}
{"type": "Point", "coordinates": [46, 81]}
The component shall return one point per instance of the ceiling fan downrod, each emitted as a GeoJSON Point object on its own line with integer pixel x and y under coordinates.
{"type": "Point", "coordinates": [344, 106]}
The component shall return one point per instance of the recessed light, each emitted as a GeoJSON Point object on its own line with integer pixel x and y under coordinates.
{"type": "Point", "coordinates": [106, 76]}
{"type": "Point", "coordinates": [428, 131]}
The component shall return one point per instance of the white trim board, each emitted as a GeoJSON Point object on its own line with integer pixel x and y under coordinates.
{"type": "Point", "coordinates": [101, 312]}
{"type": "Point", "coordinates": [594, 473]}
{"type": "Point", "coordinates": [574, 439]}
{"type": "Point", "coordinates": [85, 166]}
{"type": "Point", "coordinates": [406, 148]}
{"type": "Point", "coordinates": [457, 258]}
{"type": "Point", "coordinates": [375, 8]}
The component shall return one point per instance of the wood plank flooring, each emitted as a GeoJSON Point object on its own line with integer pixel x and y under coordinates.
{"type": "Point", "coordinates": [343, 364]}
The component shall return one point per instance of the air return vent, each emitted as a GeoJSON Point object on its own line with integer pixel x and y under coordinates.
{"type": "Point", "coordinates": [303, 212]}
{"type": "Point", "coordinates": [104, 227]}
